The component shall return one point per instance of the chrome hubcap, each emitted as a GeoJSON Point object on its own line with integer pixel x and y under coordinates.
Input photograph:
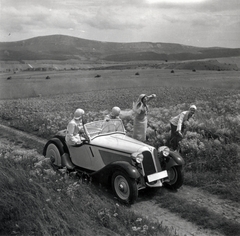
{"type": "Point", "coordinates": [123, 187]}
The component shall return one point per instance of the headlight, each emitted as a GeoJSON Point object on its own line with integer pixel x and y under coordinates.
{"type": "Point", "coordinates": [165, 150]}
{"type": "Point", "coordinates": [138, 157]}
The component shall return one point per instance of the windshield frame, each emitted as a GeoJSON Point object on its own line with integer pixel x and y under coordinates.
{"type": "Point", "coordinates": [104, 127]}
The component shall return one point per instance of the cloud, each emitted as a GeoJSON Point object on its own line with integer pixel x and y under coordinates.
{"type": "Point", "coordinates": [179, 21]}
{"type": "Point", "coordinates": [116, 18]}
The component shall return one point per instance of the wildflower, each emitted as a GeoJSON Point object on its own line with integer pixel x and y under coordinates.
{"type": "Point", "coordinates": [217, 142]}
{"type": "Point", "coordinates": [145, 227]}
{"type": "Point", "coordinates": [38, 164]}
{"type": "Point", "coordinates": [63, 170]}
{"type": "Point", "coordinates": [134, 228]}
{"type": "Point", "coordinates": [49, 172]}
{"type": "Point", "coordinates": [101, 212]}
{"type": "Point", "coordinates": [46, 160]}
{"type": "Point", "coordinates": [201, 146]}
{"type": "Point", "coordinates": [18, 159]}
{"type": "Point", "coordinates": [138, 219]}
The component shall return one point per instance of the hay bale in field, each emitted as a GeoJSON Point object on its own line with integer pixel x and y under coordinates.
{"type": "Point", "coordinates": [48, 77]}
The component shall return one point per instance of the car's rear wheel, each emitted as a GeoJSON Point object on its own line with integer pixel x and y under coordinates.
{"type": "Point", "coordinates": [53, 153]}
{"type": "Point", "coordinates": [124, 187]}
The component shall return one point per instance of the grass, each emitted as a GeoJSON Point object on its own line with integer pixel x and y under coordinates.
{"type": "Point", "coordinates": [210, 146]}
{"type": "Point", "coordinates": [207, 158]}
{"type": "Point", "coordinates": [35, 200]}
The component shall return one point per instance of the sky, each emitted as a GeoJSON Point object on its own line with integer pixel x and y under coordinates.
{"type": "Point", "coordinates": [201, 23]}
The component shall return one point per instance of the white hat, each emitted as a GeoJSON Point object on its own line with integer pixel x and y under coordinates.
{"type": "Point", "coordinates": [193, 107]}
{"type": "Point", "coordinates": [115, 111]}
{"type": "Point", "coordinates": [78, 113]}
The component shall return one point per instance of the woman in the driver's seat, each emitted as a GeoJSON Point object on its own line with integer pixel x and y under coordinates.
{"type": "Point", "coordinates": [75, 128]}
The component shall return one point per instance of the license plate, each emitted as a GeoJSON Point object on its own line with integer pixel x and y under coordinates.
{"type": "Point", "coordinates": [157, 176]}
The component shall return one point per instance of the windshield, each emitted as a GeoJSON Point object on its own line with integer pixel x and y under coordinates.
{"type": "Point", "coordinates": [100, 127]}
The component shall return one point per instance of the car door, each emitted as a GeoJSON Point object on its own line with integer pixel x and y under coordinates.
{"type": "Point", "coordinates": [81, 156]}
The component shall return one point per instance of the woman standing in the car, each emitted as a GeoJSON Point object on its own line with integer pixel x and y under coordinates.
{"type": "Point", "coordinates": [140, 109]}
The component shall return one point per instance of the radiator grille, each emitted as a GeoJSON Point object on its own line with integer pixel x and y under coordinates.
{"type": "Point", "coordinates": [159, 168]}
{"type": "Point", "coordinates": [148, 164]}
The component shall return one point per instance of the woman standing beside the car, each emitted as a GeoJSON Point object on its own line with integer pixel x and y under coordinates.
{"type": "Point", "coordinates": [140, 109]}
{"type": "Point", "coordinates": [178, 124]}
{"type": "Point", "coordinates": [74, 128]}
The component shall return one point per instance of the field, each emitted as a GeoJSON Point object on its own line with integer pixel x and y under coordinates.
{"type": "Point", "coordinates": [34, 84]}
{"type": "Point", "coordinates": [211, 145]}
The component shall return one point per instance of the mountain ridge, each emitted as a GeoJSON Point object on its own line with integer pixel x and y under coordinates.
{"type": "Point", "coordinates": [63, 47]}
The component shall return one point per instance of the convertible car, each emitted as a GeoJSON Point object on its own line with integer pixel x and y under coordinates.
{"type": "Point", "coordinates": [110, 156]}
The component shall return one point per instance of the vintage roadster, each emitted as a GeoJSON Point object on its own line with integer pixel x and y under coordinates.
{"type": "Point", "coordinates": [110, 156]}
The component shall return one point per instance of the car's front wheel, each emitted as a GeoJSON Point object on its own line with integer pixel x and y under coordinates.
{"type": "Point", "coordinates": [53, 153]}
{"type": "Point", "coordinates": [175, 175]}
{"type": "Point", "coordinates": [124, 187]}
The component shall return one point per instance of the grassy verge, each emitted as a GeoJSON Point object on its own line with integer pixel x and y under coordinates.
{"type": "Point", "coordinates": [35, 200]}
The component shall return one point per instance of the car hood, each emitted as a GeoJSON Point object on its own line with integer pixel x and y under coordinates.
{"type": "Point", "coordinates": [120, 142]}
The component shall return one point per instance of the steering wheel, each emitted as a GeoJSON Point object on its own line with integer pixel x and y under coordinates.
{"type": "Point", "coordinates": [85, 141]}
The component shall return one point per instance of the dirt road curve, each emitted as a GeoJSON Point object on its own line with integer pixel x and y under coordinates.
{"type": "Point", "coordinates": [148, 208]}
{"type": "Point", "coordinates": [226, 208]}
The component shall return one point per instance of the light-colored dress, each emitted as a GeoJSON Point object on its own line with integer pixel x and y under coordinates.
{"type": "Point", "coordinates": [72, 135]}
{"type": "Point", "coordinates": [140, 122]}
{"type": "Point", "coordinates": [140, 111]}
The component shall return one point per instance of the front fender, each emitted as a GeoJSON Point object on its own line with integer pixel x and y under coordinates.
{"type": "Point", "coordinates": [105, 173]}
{"type": "Point", "coordinates": [126, 167]}
{"type": "Point", "coordinates": [175, 159]}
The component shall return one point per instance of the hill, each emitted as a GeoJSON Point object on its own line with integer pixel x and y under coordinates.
{"type": "Point", "coordinates": [62, 47]}
{"type": "Point", "coordinates": [61, 52]}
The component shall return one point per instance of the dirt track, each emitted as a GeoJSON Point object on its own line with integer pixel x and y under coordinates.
{"type": "Point", "coordinates": [148, 208]}
{"type": "Point", "coordinates": [226, 208]}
